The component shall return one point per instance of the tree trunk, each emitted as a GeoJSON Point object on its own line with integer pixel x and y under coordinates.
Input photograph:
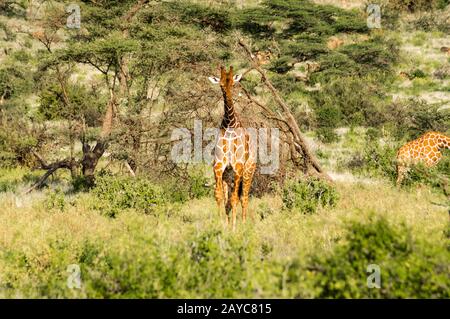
{"type": "Point", "coordinates": [91, 156]}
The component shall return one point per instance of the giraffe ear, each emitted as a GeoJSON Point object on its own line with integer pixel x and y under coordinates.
{"type": "Point", "coordinates": [214, 80]}
{"type": "Point", "coordinates": [237, 78]}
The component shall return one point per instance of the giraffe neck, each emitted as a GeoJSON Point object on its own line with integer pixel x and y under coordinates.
{"type": "Point", "coordinates": [230, 117]}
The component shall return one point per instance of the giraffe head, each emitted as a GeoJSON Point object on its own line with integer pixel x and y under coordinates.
{"type": "Point", "coordinates": [227, 79]}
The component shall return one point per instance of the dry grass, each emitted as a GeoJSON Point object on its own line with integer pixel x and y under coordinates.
{"type": "Point", "coordinates": [32, 230]}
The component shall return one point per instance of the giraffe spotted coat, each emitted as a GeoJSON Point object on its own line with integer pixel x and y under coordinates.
{"type": "Point", "coordinates": [234, 150]}
{"type": "Point", "coordinates": [426, 149]}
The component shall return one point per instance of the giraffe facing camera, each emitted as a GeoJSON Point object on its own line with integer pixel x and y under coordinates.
{"type": "Point", "coordinates": [234, 155]}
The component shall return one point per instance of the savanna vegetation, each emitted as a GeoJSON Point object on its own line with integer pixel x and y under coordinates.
{"type": "Point", "coordinates": [87, 116]}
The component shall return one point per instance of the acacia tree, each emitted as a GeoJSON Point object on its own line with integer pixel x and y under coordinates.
{"type": "Point", "coordinates": [140, 50]}
{"type": "Point", "coordinates": [104, 51]}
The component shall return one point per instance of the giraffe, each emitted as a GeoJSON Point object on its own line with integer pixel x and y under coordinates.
{"type": "Point", "coordinates": [425, 149]}
{"type": "Point", "coordinates": [234, 154]}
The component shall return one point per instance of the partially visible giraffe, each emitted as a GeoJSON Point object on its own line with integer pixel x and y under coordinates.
{"type": "Point", "coordinates": [425, 149]}
{"type": "Point", "coordinates": [235, 154]}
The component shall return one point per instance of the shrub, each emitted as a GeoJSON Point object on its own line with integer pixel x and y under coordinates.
{"type": "Point", "coordinates": [413, 5]}
{"type": "Point", "coordinates": [208, 265]}
{"type": "Point", "coordinates": [56, 201]}
{"type": "Point", "coordinates": [10, 179]}
{"type": "Point", "coordinates": [375, 56]}
{"type": "Point", "coordinates": [437, 177]}
{"type": "Point", "coordinates": [194, 185]}
{"type": "Point", "coordinates": [349, 101]}
{"type": "Point", "coordinates": [8, 186]}
{"type": "Point", "coordinates": [308, 195]}
{"type": "Point", "coordinates": [114, 194]}
{"type": "Point", "coordinates": [418, 73]}
{"type": "Point", "coordinates": [327, 135]}
{"type": "Point", "coordinates": [376, 161]}
{"type": "Point", "coordinates": [408, 267]}
{"type": "Point", "coordinates": [328, 116]}
{"type": "Point", "coordinates": [411, 118]}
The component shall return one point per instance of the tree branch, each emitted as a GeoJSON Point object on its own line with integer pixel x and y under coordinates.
{"type": "Point", "coordinates": [301, 144]}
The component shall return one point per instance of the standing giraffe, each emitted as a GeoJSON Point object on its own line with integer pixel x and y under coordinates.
{"type": "Point", "coordinates": [426, 149]}
{"type": "Point", "coordinates": [234, 154]}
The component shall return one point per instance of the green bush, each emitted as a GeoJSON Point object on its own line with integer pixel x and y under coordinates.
{"type": "Point", "coordinates": [10, 179]}
{"type": "Point", "coordinates": [349, 101]}
{"type": "Point", "coordinates": [56, 201]}
{"type": "Point", "coordinates": [437, 177]}
{"type": "Point", "coordinates": [208, 265]}
{"type": "Point", "coordinates": [409, 268]}
{"type": "Point", "coordinates": [413, 5]}
{"type": "Point", "coordinates": [375, 160]}
{"type": "Point", "coordinates": [411, 118]}
{"type": "Point", "coordinates": [306, 196]}
{"type": "Point", "coordinates": [327, 135]}
{"type": "Point", "coordinates": [8, 185]}
{"type": "Point", "coordinates": [373, 57]}
{"type": "Point", "coordinates": [192, 186]}
{"type": "Point", "coordinates": [114, 194]}
{"type": "Point", "coordinates": [418, 73]}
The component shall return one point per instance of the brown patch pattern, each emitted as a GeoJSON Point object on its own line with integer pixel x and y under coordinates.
{"type": "Point", "coordinates": [233, 149]}
{"type": "Point", "coordinates": [425, 149]}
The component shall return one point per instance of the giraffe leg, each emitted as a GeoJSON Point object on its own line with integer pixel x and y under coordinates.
{"type": "Point", "coordinates": [246, 185]}
{"type": "Point", "coordinates": [225, 202]}
{"type": "Point", "coordinates": [218, 193]}
{"type": "Point", "coordinates": [401, 172]}
{"type": "Point", "coordinates": [235, 194]}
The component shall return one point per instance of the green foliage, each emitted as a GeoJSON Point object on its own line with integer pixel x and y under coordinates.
{"type": "Point", "coordinates": [376, 160]}
{"type": "Point", "coordinates": [306, 196]}
{"type": "Point", "coordinates": [282, 65]}
{"type": "Point", "coordinates": [14, 81]}
{"type": "Point", "coordinates": [437, 177]}
{"type": "Point", "coordinates": [114, 194]}
{"type": "Point", "coordinates": [15, 147]}
{"type": "Point", "coordinates": [418, 73]}
{"type": "Point", "coordinates": [80, 183]}
{"type": "Point", "coordinates": [256, 22]}
{"type": "Point", "coordinates": [414, 5]}
{"type": "Point", "coordinates": [209, 265]}
{"type": "Point", "coordinates": [14, 8]}
{"type": "Point", "coordinates": [84, 104]}
{"type": "Point", "coordinates": [311, 18]}
{"type": "Point", "coordinates": [12, 178]}
{"type": "Point", "coordinates": [193, 186]}
{"type": "Point", "coordinates": [301, 28]}
{"type": "Point", "coordinates": [327, 135]}
{"type": "Point", "coordinates": [408, 267]}
{"type": "Point", "coordinates": [8, 185]}
{"type": "Point", "coordinates": [56, 201]}
{"type": "Point", "coordinates": [441, 4]}
{"type": "Point", "coordinates": [217, 19]}
{"type": "Point", "coordinates": [414, 117]}
{"type": "Point", "coordinates": [349, 101]}
{"type": "Point", "coordinates": [373, 57]}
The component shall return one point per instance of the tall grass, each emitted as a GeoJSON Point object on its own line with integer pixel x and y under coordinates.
{"type": "Point", "coordinates": [187, 252]}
